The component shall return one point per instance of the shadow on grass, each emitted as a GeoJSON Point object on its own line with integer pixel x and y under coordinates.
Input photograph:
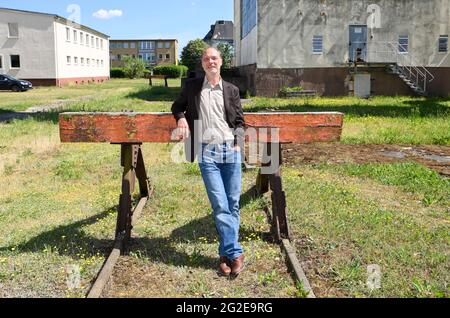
{"type": "Point", "coordinates": [68, 239]}
{"type": "Point", "coordinates": [156, 93]}
{"type": "Point", "coordinates": [72, 241]}
{"type": "Point", "coordinates": [431, 107]}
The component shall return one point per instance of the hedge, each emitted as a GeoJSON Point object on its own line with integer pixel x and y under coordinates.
{"type": "Point", "coordinates": [117, 72]}
{"type": "Point", "coordinates": [172, 71]}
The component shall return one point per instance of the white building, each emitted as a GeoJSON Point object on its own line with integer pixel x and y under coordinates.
{"type": "Point", "coordinates": [47, 49]}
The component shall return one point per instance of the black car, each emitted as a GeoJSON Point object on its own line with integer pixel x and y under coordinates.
{"type": "Point", "coordinates": [10, 83]}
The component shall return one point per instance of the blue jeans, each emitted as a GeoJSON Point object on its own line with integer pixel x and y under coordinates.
{"type": "Point", "coordinates": [220, 165]}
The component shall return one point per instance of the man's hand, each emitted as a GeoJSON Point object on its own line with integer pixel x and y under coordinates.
{"type": "Point", "coordinates": [182, 129]}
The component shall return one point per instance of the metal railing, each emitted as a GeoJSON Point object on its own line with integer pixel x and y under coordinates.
{"type": "Point", "coordinates": [398, 55]}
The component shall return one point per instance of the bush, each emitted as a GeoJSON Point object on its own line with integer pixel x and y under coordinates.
{"type": "Point", "coordinates": [285, 90]}
{"type": "Point", "coordinates": [172, 71]}
{"type": "Point", "coordinates": [117, 72]}
{"type": "Point", "coordinates": [134, 67]}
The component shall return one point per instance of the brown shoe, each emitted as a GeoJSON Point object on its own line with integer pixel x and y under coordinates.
{"type": "Point", "coordinates": [237, 265]}
{"type": "Point", "coordinates": [224, 266]}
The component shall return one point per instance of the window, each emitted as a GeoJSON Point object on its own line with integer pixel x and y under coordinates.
{"type": "Point", "coordinates": [403, 42]}
{"type": "Point", "coordinates": [119, 57]}
{"type": "Point", "coordinates": [147, 45]}
{"type": "Point", "coordinates": [75, 36]}
{"type": "Point", "coordinates": [1, 62]}
{"type": "Point", "coordinates": [160, 56]}
{"type": "Point", "coordinates": [160, 45]}
{"type": "Point", "coordinates": [15, 61]}
{"type": "Point", "coordinates": [81, 38]}
{"type": "Point", "coordinates": [102, 63]}
{"type": "Point", "coordinates": [87, 39]}
{"type": "Point", "coordinates": [75, 60]}
{"type": "Point", "coordinates": [13, 30]}
{"type": "Point", "coordinates": [67, 34]}
{"type": "Point", "coordinates": [101, 44]}
{"type": "Point", "coordinates": [317, 44]}
{"type": "Point", "coordinates": [167, 45]}
{"type": "Point", "coordinates": [92, 41]}
{"type": "Point", "coordinates": [82, 61]}
{"type": "Point", "coordinates": [97, 43]}
{"type": "Point", "coordinates": [249, 16]}
{"type": "Point", "coordinates": [167, 56]}
{"type": "Point", "coordinates": [443, 44]}
{"type": "Point", "coordinates": [132, 45]}
{"type": "Point", "coordinates": [69, 60]}
{"type": "Point", "coordinates": [88, 61]}
{"type": "Point", "coordinates": [126, 46]}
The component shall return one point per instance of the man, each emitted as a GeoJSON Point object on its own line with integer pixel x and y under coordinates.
{"type": "Point", "coordinates": [209, 114]}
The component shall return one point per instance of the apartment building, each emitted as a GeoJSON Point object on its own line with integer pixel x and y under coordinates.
{"type": "Point", "coordinates": [47, 49]}
{"type": "Point", "coordinates": [346, 47]}
{"type": "Point", "coordinates": [153, 52]}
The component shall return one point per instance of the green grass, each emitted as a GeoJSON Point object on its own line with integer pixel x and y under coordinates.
{"type": "Point", "coordinates": [349, 223]}
{"type": "Point", "coordinates": [109, 92]}
{"type": "Point", "coordinates": [58, 207]}
{"type": "Point", "coordinates": [412, 177]}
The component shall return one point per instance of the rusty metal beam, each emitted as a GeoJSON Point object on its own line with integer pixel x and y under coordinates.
{"type": "Point", "coordinates": [158, 127]}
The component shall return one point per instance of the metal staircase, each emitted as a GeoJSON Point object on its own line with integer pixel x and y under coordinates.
{"type": "Point", "coordinates": [401, 63]}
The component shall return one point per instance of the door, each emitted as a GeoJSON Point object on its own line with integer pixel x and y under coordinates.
{"type": "Point", "coordinates": [358, 43]}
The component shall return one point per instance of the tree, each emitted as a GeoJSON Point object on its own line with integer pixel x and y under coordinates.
{"type": "Point", "coordinates": [226, 51]}
{"type": "Point", "coordinates": [192, 53]}
{"type": "Point", "coordinates": [133, 67]}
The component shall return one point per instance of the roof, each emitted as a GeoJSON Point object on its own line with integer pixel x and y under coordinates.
{"type": "Point", "coordinates": [137, 40]}
{"type": "Point", "coordinates": [222, 30]}
{"type": "Point", "coordinates": [57, 18]}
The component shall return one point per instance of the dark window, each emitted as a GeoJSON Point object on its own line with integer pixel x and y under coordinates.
{"type": "Point", "coordinates": [248, 16]}
{"type": "Point", "coordinates": [15, 61]}
{"type": "Point", "coordinates": [403, 43]}
{"type": "Point", "coordinates": [119, 57]}
{"type": "Point", "coordinates": [443, 44]}
{"type": "Point", "coordinates": [1, 61]}
{"type": "Point", "coordinates": [167, 56]}
{"type": "Point", "coordinates": [160, 56]}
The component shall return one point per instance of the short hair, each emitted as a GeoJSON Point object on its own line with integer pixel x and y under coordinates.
{"type": "Point", "coordinates": [211, 47]}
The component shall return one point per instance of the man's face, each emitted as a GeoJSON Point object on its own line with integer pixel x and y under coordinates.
{"type": "Point", "coordinates": [212, 62]}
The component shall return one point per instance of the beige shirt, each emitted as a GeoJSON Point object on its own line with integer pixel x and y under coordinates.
{"type": "Point", "coordinates": [212, 115]}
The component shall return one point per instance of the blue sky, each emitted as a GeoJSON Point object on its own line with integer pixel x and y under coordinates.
{"type": "Point", "coordinates": [176, 19]}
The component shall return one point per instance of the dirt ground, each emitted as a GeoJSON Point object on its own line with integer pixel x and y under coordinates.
{"type": "Point", "coordinates": [433, 156]}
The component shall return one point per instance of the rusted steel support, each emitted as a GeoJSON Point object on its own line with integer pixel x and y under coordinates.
{"type": "Point", "coordinates": [262, 181]}
{"type": "Point", "coordinates": [279, 207]}
{"type": "Point", "coordinates": [270, 175]}
{"type": "Point", "coordinates": [133, 165]}
{"type": "Point", "coordinates": [141, 174]}
{"type": "Point", "coordinates": [123, 228]}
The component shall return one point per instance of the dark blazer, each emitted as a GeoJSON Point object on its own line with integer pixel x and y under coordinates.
{"type": "Point", "coordinates": [187, 105]}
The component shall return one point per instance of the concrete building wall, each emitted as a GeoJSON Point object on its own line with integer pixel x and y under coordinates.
{"type": "Point", "coordinates": [76, 70]}
{"type": "Point", "coordinates": [286, 29]}
{"type": "Point", "coordinates": [246, 48]}
{"type": "Point", "coordinates": [284, 44]}
{"type": "Point", "coordinates": [35, 45]}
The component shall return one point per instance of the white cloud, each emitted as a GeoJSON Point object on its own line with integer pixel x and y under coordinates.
{"type": "Point", "coordinates": [104, 14]}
